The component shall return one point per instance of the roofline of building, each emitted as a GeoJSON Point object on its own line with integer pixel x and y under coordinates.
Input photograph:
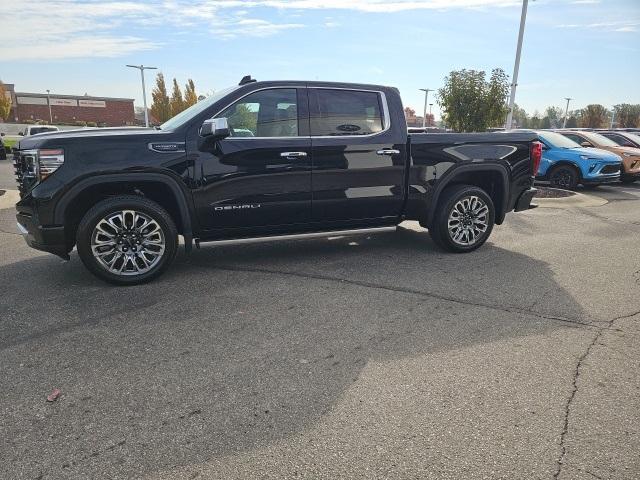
{"type": "Point", "coordinates": [73, 97]}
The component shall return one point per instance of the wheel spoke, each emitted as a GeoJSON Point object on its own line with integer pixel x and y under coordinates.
{"type": "Point", "coordinates": [468, 220]}
{"type": "Point", "coordinates": [128, 242]}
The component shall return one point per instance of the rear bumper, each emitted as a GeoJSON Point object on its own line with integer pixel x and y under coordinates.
{"type": "Point", "coordinates": [47, 239]}
{"type": "Point", "coordinates": [524, 200]}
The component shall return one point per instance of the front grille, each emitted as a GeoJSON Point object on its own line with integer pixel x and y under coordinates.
{"type": "Point", "coordinates": [24, 164]}
{"type": "Point", "coordinates": [610, 169]}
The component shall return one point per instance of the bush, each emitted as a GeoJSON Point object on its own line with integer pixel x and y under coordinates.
{"type": "Point", "coordinates": [92, 124]}
{"type": "Point", "coordinates": [80, 123]}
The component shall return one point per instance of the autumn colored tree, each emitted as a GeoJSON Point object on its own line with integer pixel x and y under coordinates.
{"type": "Point", "coordinates": [627, 115]}
{"type": "Point", "coordinates": [594, 116]}
{"type": "Point", "coordinates": [190, 96]}
{"type": "Point", "coordinates": [5, 103]}
{"type": "Point", "coordinates": [161, 107]}
{"type": "Point", "coordinates": [177, 103]}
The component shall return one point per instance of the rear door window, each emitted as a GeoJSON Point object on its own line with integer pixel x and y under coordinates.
{"type": "Point", "coordinates": [345, 112]}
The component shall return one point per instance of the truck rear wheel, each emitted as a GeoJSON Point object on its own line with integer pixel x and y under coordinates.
{"type": "Point", "coordinates": [127, 240]}
{"type": "Point", "coordinates": [464, 218]}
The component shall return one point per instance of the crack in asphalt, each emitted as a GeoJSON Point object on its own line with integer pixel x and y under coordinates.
{"type": "Point", "coordinates": [411, 291]}
{"type": "Point", "coordinates": [576, 375]}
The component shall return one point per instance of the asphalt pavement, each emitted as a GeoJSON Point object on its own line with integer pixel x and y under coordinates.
{"type": "Point", "coordinates": [350, 357]}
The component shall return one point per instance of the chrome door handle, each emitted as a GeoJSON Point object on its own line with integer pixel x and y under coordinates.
{"type": "Point", "coordinates": [293, 154]}
{"type": "Point", "coordinates": [388, 151]}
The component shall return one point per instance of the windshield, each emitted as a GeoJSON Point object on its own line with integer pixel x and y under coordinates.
{"type": "Point", "coordinates": [556, 140]}
{"type": "Point", "coordinates": [195, 109]}
{"type": "Point", "coordinates": [599, 140]}
{"type": "Point", "coordinates": [634, 137]}
{"type": "Point", "coordinates": [36, 130]}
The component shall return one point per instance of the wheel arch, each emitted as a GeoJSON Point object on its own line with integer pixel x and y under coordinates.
{"type": "Point", "coordinates": [161, 188]}
{"type": "Point", "coordinates": [565, 163]}
{"type": "Point", "coordinates": [493, 178]}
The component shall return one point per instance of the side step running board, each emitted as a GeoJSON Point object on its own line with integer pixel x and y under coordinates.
{"type": "Point", "coordinates": [299, 236]}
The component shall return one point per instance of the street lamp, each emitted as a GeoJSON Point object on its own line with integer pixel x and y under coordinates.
{"type": "Point", "coordinates": [516, 67]}
{"type": "Point", "coordinates": [430, 116]}
{"type": "Point", "coordinates": [142, 68]}
{"type": "Point", "coordinates": [426, 97]}
{"type": "Point", "coordinates": [566, 112]}
{"type": "Point", "coordinates": [49, 104]}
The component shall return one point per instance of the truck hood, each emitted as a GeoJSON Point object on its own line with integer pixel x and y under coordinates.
{"type": "Point", "coordinates": [36, 141]}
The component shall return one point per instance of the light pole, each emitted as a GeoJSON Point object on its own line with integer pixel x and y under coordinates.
{"type": "Point", "coordinates": [430, 117]}
{"type": "Point", "coordinates": [516, 68]}
{"type": "Point", "coordinates": [566, 112]}
{"type": "Point", "coordinates": [49, 105]}
{"type": "Point", "coordinates": [613, 117]}
{"type": "Point", "coordinates": [142, 68]}
{"type": "Point", "coordinates": [426, 99]}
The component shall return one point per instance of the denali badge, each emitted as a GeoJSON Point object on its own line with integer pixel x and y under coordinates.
{"type": "Point", "coordinates": [237, 207]}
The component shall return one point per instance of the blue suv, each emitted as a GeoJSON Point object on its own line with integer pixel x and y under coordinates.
{"type": "Point", "coordinates": [566, 164]}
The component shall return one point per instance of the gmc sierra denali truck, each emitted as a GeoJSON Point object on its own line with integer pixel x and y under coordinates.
{"type": "Point", "coordinates": [264, 159]}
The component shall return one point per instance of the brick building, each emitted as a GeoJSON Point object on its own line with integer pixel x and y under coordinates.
{"type": "Point", "coordinates": [70, 109]}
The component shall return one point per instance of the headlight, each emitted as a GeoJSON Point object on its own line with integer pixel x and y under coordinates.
{"type": "Point", "coordinates": [43, 162]}
{"type": "Point", "coordinates": [49, 161]}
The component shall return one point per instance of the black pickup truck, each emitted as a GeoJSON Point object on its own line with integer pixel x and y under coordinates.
{"type": "Point", "coordinates": [264, 160]}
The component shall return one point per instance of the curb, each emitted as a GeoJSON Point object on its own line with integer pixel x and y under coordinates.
{"type": "Point", "coordinates": [577, 200]}
{"type": "Point", "coordinates": [9, 199]}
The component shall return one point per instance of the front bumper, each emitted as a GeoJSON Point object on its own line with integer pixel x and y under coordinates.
{"type": "Point", "coordinates": [524, 200]}
{"type": "Point", "coordinates": [601, 180]}
{"type": "Point", "coordinates": [47, 239]}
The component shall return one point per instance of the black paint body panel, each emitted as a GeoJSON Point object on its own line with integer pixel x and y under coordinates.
{"type": "Point", "coordinates": [239, 187]}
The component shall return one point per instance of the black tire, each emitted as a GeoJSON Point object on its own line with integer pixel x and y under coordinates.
{"type": "Point", "coordinates": [627, 179]}
{"type": "Point", "coordinates": [449, 200]}
{"type": "Point", "coordinates": [565, 177]}
{"type": "Point", "coordinates": [145, 209]}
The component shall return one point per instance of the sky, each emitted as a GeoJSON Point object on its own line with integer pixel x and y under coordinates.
{"type": "Point", "coordinates": [588, 50]}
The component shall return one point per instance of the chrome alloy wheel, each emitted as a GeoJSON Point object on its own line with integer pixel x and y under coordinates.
{"type": "Point", "coordinates": [127, 242]}
{"type": "Point", "coordinates": [468, 220]}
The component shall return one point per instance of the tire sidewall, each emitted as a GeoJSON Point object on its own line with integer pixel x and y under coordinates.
{"type": "Point", "coordinates": [104, 208]}
{"type": "Point", "coordinates": [452, 197]}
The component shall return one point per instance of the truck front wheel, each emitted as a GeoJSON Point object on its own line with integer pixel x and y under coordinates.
{"type": "Point", "coordinates": [127, 240]}
{"type": "Point", "coordinates": [464, 218]}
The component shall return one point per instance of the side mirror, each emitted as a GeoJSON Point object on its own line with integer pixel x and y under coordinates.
{"type": "Point", "coordinates": [215, 128]}
{"type": "Point", "coordinates": [21, 134]}
{"type": "Point", "coordinates": [1, 134]}
{"type": "Point", "coordinates": [586, 144]}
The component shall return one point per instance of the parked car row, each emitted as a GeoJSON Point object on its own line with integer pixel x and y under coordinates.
{"type": "Point", "coordinates": [588, 158]}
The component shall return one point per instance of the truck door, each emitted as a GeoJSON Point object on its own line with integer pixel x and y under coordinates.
{"type": "Point", "coordinates": [259, 176]}
{"type": "Point", "coordinates": [358, 170]}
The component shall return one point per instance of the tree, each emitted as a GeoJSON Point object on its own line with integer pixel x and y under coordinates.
{"type": "Point", "coordinates": [520, 117]}
{"type": "Point", "coordinates": [470, 103]}
{"type": "Point", "coordinates": [535, 121]}
{"type": "Point", "coordinates": [572, 121]}
{"type": "Point", "coordinates": [177, 103]}
{"type": "Point", "coordinates": [242, 117]}
{"type": "Point", "coordinates": [190, 97]}
{"type": "Point", "coordinates": [554, 117]}
{"type": "Point", "coordinates": [594, 116]}
{"type": "Point", "coordinates": [627, 116]}
{"type": "Point", "coordinates": [5, 103]}
{"type": "Point", "coordinates": [161, 107]}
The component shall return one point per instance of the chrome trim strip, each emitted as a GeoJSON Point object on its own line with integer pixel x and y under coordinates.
{"type": "Point", "coordinates": [385, 113]}
{"type": "Point", "coordinates": [302, 236]}
{"type": "Point", "coordinates": [23, 231]}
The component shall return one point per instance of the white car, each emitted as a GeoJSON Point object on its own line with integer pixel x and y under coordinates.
{"type": "Point", "coordinates": [35, 129]}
